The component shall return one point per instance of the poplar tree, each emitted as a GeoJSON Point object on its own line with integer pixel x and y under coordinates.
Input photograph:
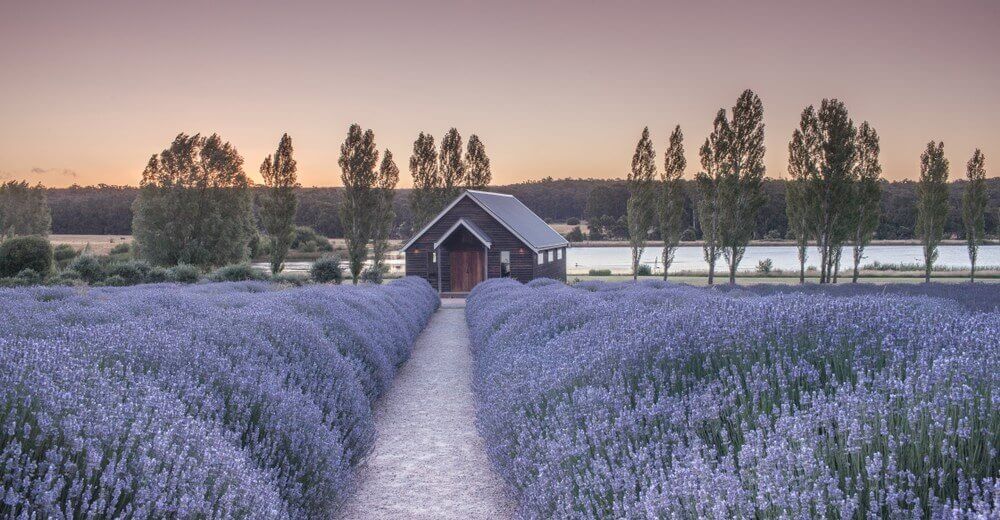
{"type": "Point", "coordinates": [932, 203]}
{"type": "Point", "coordinates": [477, 165]}
{"type": "Point", "coordinates": [385, 189]}
{"type": "Point", "coordinates": [741, 189]}
{"type": "Point", "coordinates": [278, 203]}
{"type": "Point", "coordinates": [671, 202]}
{"type": "Point", "coordinates": [639, 210]}
{"type": "Point", "coordinates": [867, 192]}
{"type": "Point", "coordinates": [974, 207]}
{"type": "Point", "coordinates": [452, 167]}
{"type": "Point", "coordinates": [194, 205]}
{"type": "Point", "coordinates": [24, 210]}
{"type": "Point", "coordinates": [426, 181]}
{"type": "Point", "coordinates": [358, 157]}
{"type": "Point", "coordinates": [828, 142]}
{"type": "Point", "coordinates": [708, 180]}
{"type": "Point", "coordinates": [798, 206]}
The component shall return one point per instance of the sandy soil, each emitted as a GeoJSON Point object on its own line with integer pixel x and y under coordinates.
{"type": "Point", "coordinates": [429, 462]}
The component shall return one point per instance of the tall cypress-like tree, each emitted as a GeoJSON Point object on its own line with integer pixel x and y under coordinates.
{"type": "Point", "coordinates": [974, 207]}
{"type": "Point", "coordinates": [385, 190]}
{"type": "Point", "coordinates": [639, 210]}
{"type": "Point", "coordinates": [671, 201]}
{"type": "Point", "coordinates": [709, 181]}
{"type": "Point", "coordinates": [452, 167]}
{"type": "Point", "coordinates": [798, 205]}
{"type": "Point", "coordinates": [426, 181]}
{"type": "Point", "coordinates": [742, 192]}
{"type": "Point", "coordinates": [278, 202]}
{"type": "Point", "coordinates": [358, 157]}
{"type": "Point", "coordinates": [867, 192]}
{"type": "Point", "coordinates": [194, 205]}
{"type": "Point", "coordinates": [477, 165]}
{"type": "Point", "coordinates": [932, 203]}
{"type": "Point", "coordinates": [828, 139]}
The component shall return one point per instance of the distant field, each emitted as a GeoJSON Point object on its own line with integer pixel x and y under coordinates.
{"type": "Point", "coordinates": [99, 244]}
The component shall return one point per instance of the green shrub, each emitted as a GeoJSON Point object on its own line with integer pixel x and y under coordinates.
{"type": "Point", "coordinates": [121, 248]}
{"type": "Point", "coordinates": [688, 235]}
{"type": "Point", "coordinates": [765, 266]}
{"type": "Point", "coordinates": [157, 275]}
{"type": "Point", "coordinates": [20, 253]}
{"type": "Point", "coordinates": [115, 281]}
{"type": "Point", "coordinates": [133, 272]}
{"type": "Point", "coordinates": [63, 253]}
{"type": "Point", "coordinates": [372, 275]}
{"type": "Point", "coordinates": [237, 273]}
{"type": "Point", "coordinates": [307, 240]}
{"type": "Point", "coordinates": [572, 221]}
{"type": "Point", "coordinates": [183, 273]}
{"type": "Point", "coordinates": [28, 277]}
{"type": "Point", "coordinates": [326, 270]}
{"type": "Point", "coordinates": [644, 270]}
{"type": "Point", "coordinates": [290, 279]}
{"type": "Point", "coordinates": [599, 272]}
{"type": "Point", "coordinates": [66, 277]}
{"type": "Point", "coordinates": [575, 235]}
{"type": "Point", "coordinates": [89, 268]}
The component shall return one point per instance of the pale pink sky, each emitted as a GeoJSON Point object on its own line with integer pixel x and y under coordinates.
{"type": "Point", "coordinates": [90, 89]}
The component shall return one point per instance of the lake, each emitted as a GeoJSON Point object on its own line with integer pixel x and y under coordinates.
{"type": "Point", "coordinates": [689, 258]}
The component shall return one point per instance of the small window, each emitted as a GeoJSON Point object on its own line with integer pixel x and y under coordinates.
{"type": "Point", "coordinates": [434, 257]}
{"type": "Point", "coordinates": [504, 264]}
{"type": "Point", "coordinates": [541, 259]}
{"type": "Point", "coordinates": [559, 254]}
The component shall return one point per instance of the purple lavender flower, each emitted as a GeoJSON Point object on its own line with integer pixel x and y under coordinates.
{"type": "Point", "coordinates": [641, 400]}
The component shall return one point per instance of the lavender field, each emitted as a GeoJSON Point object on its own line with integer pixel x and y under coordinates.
{"type": "Point", "coordinates": [668, 401]}
{"type": "Point", "coordinates": [227, 400]}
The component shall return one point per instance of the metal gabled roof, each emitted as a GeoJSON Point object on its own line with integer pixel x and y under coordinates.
{"type": "Point", "coordinates": [512, 214]}
{"type": "Point", "coordinates": [471, 226]}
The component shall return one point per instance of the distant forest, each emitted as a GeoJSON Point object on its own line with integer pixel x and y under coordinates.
{"type": "Point", "coordinates": [107, 210]}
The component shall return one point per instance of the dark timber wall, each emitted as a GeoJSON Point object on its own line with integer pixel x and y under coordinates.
{"type": "Point", "coordinates": [555, 269]}
{"type": "Point", "coordinates": [523, 262]}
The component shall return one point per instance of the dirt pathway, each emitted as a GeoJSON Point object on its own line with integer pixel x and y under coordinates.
{"type": "Point", "coordinates": [429, 461]}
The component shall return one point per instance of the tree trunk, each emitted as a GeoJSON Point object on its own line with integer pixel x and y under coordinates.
{"type": "Point", "coordinates": [711, 273]}
{"type": "Point", "coordinates": [927, 271]}
{"type": "Point", "coordinates": [664, 261]}
{"type": "Point", "coordinates": [732, 270]}
{"type": "Point", "coordinates": [802, 272]}
{"type": "Point", "coordinates": [972, 273]}
{"type": "Point", "coordinates": [857, 261]}
{"type": "Point", "coordinates": [822, 262]}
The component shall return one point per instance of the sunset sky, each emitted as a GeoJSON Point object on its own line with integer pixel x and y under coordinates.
{"type": "Point", "coordinates": [90, 89]}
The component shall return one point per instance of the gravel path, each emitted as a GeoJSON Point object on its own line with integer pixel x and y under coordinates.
{"type": "Point", "coordinates": [429, 461]}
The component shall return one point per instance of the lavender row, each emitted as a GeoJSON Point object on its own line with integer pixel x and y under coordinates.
{"type": "Point", "coordinates": [229, 400]}
{"type": "Point", "coordinates": [655, 400]}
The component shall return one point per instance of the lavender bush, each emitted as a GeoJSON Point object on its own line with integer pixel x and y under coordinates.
{"type": "Point", "coordinates": [230, 400]}
{"type": "Point", "coordinates": [654, 400]}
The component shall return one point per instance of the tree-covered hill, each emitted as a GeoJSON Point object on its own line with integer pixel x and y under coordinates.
{"type": "Point", "coordinates": [104, 209]}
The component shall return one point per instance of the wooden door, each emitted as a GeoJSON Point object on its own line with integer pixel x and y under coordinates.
{"type": "Point", "coordinates": [466, 270]}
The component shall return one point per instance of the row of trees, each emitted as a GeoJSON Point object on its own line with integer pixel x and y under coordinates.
{"type": "Point", "coordinates": [833, 195]}
{"type": "Point", "coordinates": [730, 188]}
{"type": "Point", "coordinates": [438, 177]}
{"type": "Point", "coordinates": [195, 204]}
